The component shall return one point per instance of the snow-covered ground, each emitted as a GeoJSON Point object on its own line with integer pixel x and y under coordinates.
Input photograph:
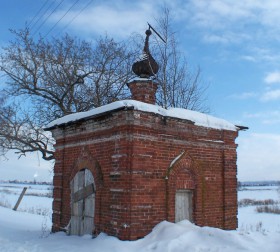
{"type": "Point", "coordinates": [29, 231]}
{"type": "Point", "coordinates": [249, 219]}
{"type": "Point", "coordinates": [37, 199]}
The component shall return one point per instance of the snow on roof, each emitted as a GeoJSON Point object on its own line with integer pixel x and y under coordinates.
{"type": "Point", "coordinates": [197, 118]}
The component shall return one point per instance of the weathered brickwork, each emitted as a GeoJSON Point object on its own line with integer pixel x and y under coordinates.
{"type": "Point", "coordinates": [130, 155]}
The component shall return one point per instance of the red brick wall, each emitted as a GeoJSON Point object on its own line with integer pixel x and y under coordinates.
{"type": "Point", "coordinates": [143, 90]}
{"type": "Point", "coordinates": [130, 155]}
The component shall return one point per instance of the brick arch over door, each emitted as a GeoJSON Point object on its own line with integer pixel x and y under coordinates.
{"type": "Point", "coordinates": [183, 175]}
{"type": "Point", "coordinates": [86, 161]}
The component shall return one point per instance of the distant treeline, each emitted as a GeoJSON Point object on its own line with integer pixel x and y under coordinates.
{"type": "Point", "coordinates": [26, 182]}
{"type": "Point", "coordinates": [259, 183]}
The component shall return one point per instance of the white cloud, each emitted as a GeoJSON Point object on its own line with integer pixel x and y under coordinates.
{"type": "Point", "coordinates": [118, 19]}
{"type": "Point", "coordinates": [258, 156]}
{"type": "Point", "coordinates": [261, 54]}
{"type": "Point", "coordinates": [253, 115]}
{"type": "Point", "coordinates": [220, 13]}
{"type": "Point", "coordinates": [225, 37]}
{"type": "Point", "coordinates": [212, 38]}
{"type": "Point", "coordinates": [220, 21]}
{"type": "Point", "coordinates": [271, 120]}
{"type": "Point", "coordinates": [244, 96]}
{"type": "Point", "coordinates": [270, 13]}
{"type": "Point", "coordinates": [273, 77]}
{"type": "Point", "coordinates": [251, 22]}
{"type": "Point", "coordinates": [265, 117]}
{"type": "Point", "coordinates": [271, 95]}
{"type": "Point", "coordinates": [217, 14]}
{"type": "Point", "coordinates": [249, 58]}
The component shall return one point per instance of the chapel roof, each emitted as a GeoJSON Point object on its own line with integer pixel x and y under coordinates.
{"type": "Point", "coordinates": [198, 118]}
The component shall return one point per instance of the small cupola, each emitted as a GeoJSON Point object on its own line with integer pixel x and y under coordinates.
{"type": "Point", "coordinates": [146, 66]}
{"type": "Point", "coordinates": [143, 88]}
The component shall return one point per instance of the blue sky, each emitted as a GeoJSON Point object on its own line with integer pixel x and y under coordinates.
{"type": "Point", "coordinates": [235, 43]}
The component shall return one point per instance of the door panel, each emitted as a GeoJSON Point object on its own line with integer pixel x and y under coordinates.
{"type": "Point", "coordinates": [82, 203]}
{"type": "Point", "coordinates": [183, 205]}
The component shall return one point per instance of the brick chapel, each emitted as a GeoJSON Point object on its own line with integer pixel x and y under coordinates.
{"type": "Point", "coordinates": [124, 167]}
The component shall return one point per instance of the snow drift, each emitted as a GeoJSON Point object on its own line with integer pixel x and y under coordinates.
{"type": "Point", "coordinates": [27, 232]}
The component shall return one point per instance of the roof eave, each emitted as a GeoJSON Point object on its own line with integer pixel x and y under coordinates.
{"type": "Point", "coordinates": [88, 117]}
{"type": "Point", "coordinates": [241, 128]}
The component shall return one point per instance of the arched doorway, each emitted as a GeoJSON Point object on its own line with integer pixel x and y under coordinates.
{"type": "Point", "coordinates": [181, 188]}
{"type": "Point", "coordinates": [82, 203]}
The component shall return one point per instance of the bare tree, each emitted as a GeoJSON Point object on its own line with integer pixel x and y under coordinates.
{"type": "Point", "coordinates": [50, 79]}
{"type": "Point", "coordinates": [45, 80]}
{"type": "Point", "coordinates": [178, 85]}
{"type": "Point", "coordinates": [20, 132]}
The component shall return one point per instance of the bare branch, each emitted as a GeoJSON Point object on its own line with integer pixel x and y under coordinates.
{"type": "Point", "coordinates": [178, 85]}
{"type": "Point", "coordinates": [50, 79]}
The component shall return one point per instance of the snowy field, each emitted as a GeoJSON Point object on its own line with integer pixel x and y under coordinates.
{"type": "Point", "coordinates": [28, 229]}
{"type": "Point", "coordinates": [249, 219]}
{"type": "Point", "coordinates": [37, 199]}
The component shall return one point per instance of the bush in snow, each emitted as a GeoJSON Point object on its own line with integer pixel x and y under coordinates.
{"type": "Point", "coordinates": [268, 209]}
{"type": "Point", "coordinates": [253, 202]}
{"type": "Point", "coordinates": [4, 202]}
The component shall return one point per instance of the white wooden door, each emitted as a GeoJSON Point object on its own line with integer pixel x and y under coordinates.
{"type": "Point", "coordinates": [183, 205]}
{"type": "Point", "coordinates": [82, 203]}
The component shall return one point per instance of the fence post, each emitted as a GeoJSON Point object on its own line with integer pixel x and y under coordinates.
{"type": "Point", "coordinates": [20, 198]}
